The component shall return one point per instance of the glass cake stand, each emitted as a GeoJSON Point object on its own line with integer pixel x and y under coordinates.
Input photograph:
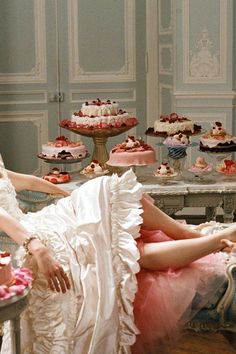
{"type": "Point", "coordinates": [62, 162]}
{"type": "Point", "coordinates": [100, 137]}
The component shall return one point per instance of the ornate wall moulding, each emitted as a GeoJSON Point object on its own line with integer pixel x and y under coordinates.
{"type": "Point", "coordinates": [165, 17]}
{"type": "Point", "coordinates": [165, 59]}
{"type": "Point", "coordinates": [39, 119]}
{"type": "Point", "coordinates": [202, 63]}
{"type": "Point", "coordinates": [38, 73]}
{"type": "Point", "coordinates": [126, 73]}
{"type": "Point", "coordinates": [22, 97]}
{"type": "Point", "coordinates": [166, 93]}
{"type": "Point", "coordinates": [119, 95]}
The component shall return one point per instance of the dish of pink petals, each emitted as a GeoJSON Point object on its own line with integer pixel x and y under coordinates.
{"type": "Point", "coordinates": [21, 281]}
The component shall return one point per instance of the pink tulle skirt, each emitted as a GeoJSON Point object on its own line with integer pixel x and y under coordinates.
{"type": "Point", "coordinates": [167, 300]}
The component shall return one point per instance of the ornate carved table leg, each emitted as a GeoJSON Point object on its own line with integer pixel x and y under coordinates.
{"type": "Point", "coordinates": [210, 213]}
{"type": "Point", "coordinates": [228, 207]}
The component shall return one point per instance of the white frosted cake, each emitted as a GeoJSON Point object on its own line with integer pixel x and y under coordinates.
{"type": "Point", "coordinates": [99, 114]}
{"type": "Point", "coordinates": [132, 152]}
{"type": "Point", "coordinates": [173, 123]}
{"type": "Point", "coordinates": [62, 147]}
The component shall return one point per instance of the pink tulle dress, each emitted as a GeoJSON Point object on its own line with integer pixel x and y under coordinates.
{"type": "Point", "coordinates": [167, 300]}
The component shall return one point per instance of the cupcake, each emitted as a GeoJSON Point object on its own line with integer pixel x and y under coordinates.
{"type": "Point", "coordinates": [94, 169]}
{"type": "Point", "coordinates": [177, 145]}
{"type": "Point", "coordinates": [164, 170]}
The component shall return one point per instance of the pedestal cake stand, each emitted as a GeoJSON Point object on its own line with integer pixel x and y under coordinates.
{"type": "Point", "coordinates": [100, 137]}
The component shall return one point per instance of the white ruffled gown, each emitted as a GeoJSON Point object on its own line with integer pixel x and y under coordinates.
{"type": "Point", "coordinates": [92, 233]}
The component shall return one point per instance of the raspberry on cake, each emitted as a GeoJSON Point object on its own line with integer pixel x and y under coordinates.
{"type": "Point", "coordinates": [95, 168]}
{"type": "Point", "coordinates": [99, 114]}
{"type": "Point", "coordinates": [132, 152]}
{"type": "Point", "coordinates": [63, 148]}
{"type": "Point", "coordinates": [173, 124]}
{"type": "Point", "coordinates": [218, 140]}
{"type": "Point", "coordinates": [57, 177]}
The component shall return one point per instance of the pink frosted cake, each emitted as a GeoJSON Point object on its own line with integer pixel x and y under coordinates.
{"type": "Point", "coordinates": [132, 152]}
{"type": "Point", "coordinates": [63, 148]}
{"type": "Point", "coordinates": [6, 273]}
{"type": "Point", "coordinates": [218, 140]}
{"type": "Point", "coordinates": [99, 114]}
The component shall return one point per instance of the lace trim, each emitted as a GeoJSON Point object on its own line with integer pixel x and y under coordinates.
{"type": "Point", "coordinates": [125, 219]}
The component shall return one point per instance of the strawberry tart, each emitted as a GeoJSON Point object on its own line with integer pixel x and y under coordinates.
{"type": "Point", "coordinates": [56, 177]}
{"type": "Point", "coordinates": [99, 114]}
{"type": "Point", "coordinates": [132, 152]}
{"type": "Point", "coordinates": [228, 167]}
{"type": "Point", "coordinates": [12, 281]}
{"type": "Point", "coordinates": [94, 169]}
{"type": "Point", "coordinates": [172, 124]}
{"type": "Point", "coordinates": [218, 140]}
{"type": "Point", "coordinates": [63, 148]}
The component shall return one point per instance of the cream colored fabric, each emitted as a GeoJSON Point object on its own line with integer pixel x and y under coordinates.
{"type": "Point", "coordinates": [92, 233]}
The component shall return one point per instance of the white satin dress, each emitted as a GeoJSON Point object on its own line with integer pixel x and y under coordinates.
{"type": "Point", "coordinates": [92, 233]}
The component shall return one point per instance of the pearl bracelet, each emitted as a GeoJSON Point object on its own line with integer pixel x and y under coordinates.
{"type": "Point", "coordinates": [27, 242]}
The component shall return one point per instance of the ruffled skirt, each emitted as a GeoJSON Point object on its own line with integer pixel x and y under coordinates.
{"type": "Point", "coordinates": [167, 300]}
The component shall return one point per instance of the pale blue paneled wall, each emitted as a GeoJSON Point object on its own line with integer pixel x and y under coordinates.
{"type": "Point", "coordinates": [198, 35]}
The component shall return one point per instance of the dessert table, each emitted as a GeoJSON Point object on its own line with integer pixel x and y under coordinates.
{"type": "Point", "coordinates": [10, 310]}
{"type": "Point", "coordinates": [179, 194]}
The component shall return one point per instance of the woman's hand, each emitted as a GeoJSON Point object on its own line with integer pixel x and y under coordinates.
{"type": "Point", "coordinates": [49, 267]}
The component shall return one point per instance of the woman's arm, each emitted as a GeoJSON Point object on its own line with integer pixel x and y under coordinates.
{"type": "Point", "coordinates": [51, 269]}
{"type": "Point", "coordinates": [23, 181]}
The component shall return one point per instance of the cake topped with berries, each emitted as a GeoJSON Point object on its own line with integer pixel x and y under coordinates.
{"type": "Point", "coordinates": [63, 148]}
{"type": "Point", "coordinates": [165, 170]}
{"type": "Point", "coordinates": [12, 281]}
{"type": "Point", "coordinates": [172, 124]}
{"type": "Point", "coordinates": [95, 168]}
{"type": "Point", "coordinates": [132, 152]}
{"type": "Point", "coordinates": [177, 139]}
{"type": "Point", "coordinates": [228, 167]}
{"type": "Point", "coordinates": [56, 177]}
{"type": "Point", "coordinates": [200, 166]}
{"type": "Point", "coordinates": [99, 114]}
{"type": "Point", "coordinates": [218, 140]}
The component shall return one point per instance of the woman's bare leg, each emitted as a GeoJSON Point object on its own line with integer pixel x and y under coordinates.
{"type": "Point", "coordinates": [180, 253]}
{"type": "Point", "coordinates": [155, 219]}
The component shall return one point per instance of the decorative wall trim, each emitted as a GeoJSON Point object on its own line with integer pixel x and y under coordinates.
{"type": "Point", "coordinates": [166, 87]}
{"type": "Point", "coordinates": [40, 120]}
{"type": "Point", "coordinates": [204, 95]}
{"type": "Point", "coordinates": [204, 66]}
{"type": "Point", "coordinates": [168, 29]}
{"type": "Point", "coordinates": [152, 65]}
{"type": "Point", "coordinates": [121, 95]}
{"type": "Point", "coordinates": [22, 97]}
{"type": "Point", "coordinates": [38, 72]}
{"type": "Point", "coordinates": [165, 50]}
{"type": "Point", "coordinates": [126, 73]}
